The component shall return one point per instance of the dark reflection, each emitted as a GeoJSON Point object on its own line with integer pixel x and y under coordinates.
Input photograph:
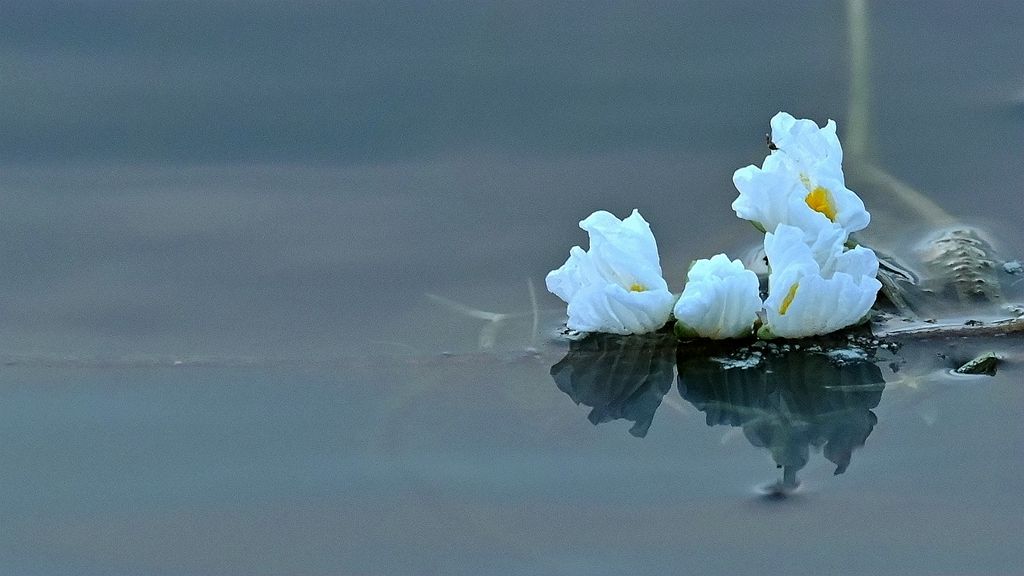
{"type": "Point", "coordinates": [787, 400]}
{"type": "Point", "coordinates": [620, 377]}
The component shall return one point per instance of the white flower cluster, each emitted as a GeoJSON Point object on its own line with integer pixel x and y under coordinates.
{"type": "Point", "coordinates": [798, 197]}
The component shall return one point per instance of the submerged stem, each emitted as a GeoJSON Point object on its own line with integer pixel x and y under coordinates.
{"type": "Point", "coordinates": [857, 120]}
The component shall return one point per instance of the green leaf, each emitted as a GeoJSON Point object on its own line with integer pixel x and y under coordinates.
{"type": "Point", "coordinates": [684, 332]}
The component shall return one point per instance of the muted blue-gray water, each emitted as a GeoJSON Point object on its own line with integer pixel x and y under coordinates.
{"type": "Point", "coordinates": [219, 223]}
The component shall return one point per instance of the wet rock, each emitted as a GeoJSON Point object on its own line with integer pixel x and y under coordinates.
{"type": "Point", "coordinates": [984, 364]}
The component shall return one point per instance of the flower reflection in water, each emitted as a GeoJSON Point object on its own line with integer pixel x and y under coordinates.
{"type": "Point", "coordinates": [786, 399]}
{"type": "Point", "coordinates": [620, 377]}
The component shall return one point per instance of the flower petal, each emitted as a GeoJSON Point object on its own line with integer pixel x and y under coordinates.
{"type": "Point", "coordinates": [614, 310]}
{"type": "Point", "coordinates": [720, 299]}
{"type": "Point", "coordinates": [819, 288]}
{"type": "Point", "coordinates": [820, 305]}
{"type": "Point", "coordinates": [567, 280]}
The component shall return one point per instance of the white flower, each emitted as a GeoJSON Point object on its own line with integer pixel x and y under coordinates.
{"type": "Point", "coordinates": [616, 286]}
{"type": "Point", "coordinates": [802, 145]}
{"type": "Point", "coordinates": [801, 183]}
{"type": "Point", "coordinates": [720, 300]}
{"type": "Point", "coordinates": [817, 288]}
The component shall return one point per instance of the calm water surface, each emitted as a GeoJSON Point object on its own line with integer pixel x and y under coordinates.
{"type": "Point", "coordinates": [221, 223]}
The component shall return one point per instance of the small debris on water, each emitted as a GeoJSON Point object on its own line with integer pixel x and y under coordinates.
{"type": "Point", "coordinates": [841, 356]}
{"type": "Point", "coordinates": [571, 335]}
{"type": "Point", "coordinates": [1013, 267]}
{"type": "Point", "coordinates": [751, 361]}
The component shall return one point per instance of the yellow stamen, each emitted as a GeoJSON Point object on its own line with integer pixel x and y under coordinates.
{"type": "Point", "coordinates": [820, 201]}
{"type": "Point", "coordinates": [637, 287]}
{"type": "Point", "coordinates": [788, 299]}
